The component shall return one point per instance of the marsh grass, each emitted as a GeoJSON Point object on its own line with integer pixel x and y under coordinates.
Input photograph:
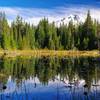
{"type": "Point", "coordinates": [29, 53]}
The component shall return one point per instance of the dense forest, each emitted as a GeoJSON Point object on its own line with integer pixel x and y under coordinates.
{"type": "Point", "coordinates": [23, 36]}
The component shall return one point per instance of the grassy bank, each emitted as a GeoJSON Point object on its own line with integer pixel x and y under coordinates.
{"type": "Point", "coordinates": [14, 53]}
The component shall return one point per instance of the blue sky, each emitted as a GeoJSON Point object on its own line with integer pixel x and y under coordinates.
{"type": "Point", "coordinates": [45, 3]}
{"type": "Point", "coordinates": [33, 10]}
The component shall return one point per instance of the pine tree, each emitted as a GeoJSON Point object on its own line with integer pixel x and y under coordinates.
{"type": "Point", "coordinates": [22, 35]}
{"type": "Point", "coordinates": [88, 31]}
{"type": "Point", "coordinates": [5, 33]}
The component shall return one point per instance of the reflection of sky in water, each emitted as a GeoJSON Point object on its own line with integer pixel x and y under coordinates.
{"type": "Point", "coordinates": [32, 89]}
{"type": "Point", "coordinates": [55, 79]}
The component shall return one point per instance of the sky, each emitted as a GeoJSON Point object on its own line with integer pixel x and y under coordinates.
{"type": "Point", "coordinates": [33, 11]}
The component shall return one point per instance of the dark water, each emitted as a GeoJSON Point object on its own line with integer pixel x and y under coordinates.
{"type": "Point", "coordinates": [50, 78]}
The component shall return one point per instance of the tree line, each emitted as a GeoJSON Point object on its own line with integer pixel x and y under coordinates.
{"type": "Point", "coordinates": [23, 36]}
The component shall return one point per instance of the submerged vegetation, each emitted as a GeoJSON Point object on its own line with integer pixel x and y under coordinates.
{"type": "Point", "coordinates": [23, 36]}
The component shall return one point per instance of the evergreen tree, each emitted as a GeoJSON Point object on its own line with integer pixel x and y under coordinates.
{"type": "Point", "coordinates": [88, 32]}
{"type": "Point", "coordinates": [5, 33]}
{"type": "Point", "coordinates": [21, 35]}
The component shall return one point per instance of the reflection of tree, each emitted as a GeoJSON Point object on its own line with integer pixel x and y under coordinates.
{"type": "Point", "coordinates": [18, 68]}
{"type": "Point", "coordinates": [46, 68]}
{"type": "Point", "coordinates": [86, 70]}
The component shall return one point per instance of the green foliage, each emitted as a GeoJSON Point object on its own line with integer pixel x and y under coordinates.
{"type": "Point", "coordinates": [22, 35]}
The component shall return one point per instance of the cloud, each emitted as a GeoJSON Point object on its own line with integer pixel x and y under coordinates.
{"type": "Point", "coordinates": [34, 15]}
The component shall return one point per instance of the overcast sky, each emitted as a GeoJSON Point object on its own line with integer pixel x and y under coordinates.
{"type": "Point", "coordinates": [33, 10]}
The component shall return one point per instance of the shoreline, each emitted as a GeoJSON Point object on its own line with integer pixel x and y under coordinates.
{"type": "Point", "coordinates": [15, 53]}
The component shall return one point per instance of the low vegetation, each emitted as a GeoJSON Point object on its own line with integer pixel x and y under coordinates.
{"type": "Point", "coordinates": [38, 53]}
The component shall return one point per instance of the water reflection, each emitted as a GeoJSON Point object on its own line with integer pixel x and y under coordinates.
{"type": "Point", "coordinates": [50, 78]}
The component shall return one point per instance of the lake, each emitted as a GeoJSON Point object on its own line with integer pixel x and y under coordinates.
{"type": "Point", "coordinates": [50, 78]}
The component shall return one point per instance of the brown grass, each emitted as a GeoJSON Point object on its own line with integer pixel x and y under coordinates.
{"type": "Point", "coordinates": [94, 53]}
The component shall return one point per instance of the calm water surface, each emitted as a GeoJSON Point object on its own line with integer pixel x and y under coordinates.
{"type": "Point", "coordinates": [50, 78]}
